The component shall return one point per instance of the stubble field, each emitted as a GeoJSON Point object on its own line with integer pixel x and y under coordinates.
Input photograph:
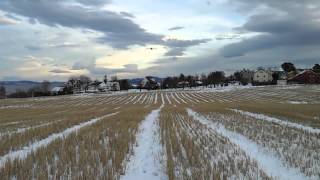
{"type": "Point", "coordinates": [246, 133]}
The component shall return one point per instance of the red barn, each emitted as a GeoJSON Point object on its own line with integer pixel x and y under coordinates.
{"type": "Point", "coordinates": [306, 77]}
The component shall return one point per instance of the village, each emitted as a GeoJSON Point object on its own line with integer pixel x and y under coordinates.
{"type": "Point", "coordinates": [287, 74]}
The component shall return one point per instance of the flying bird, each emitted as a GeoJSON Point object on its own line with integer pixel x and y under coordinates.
{"type": "Point", "coordinates": [151, 48]}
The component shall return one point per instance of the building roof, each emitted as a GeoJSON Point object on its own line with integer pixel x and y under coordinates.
{"type": "Point", "coordinates": [57, 89]}
{"type": "Point", "coordinates": [302, 73]}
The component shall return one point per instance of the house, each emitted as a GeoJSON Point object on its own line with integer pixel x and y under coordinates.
{"type": "Point", "coordinates": [305, 77]}
{"type": "Point", "coordinates": [247, 75]}
{"type": "Point", "coordinates": [97, 86]}
{"type": "Point", "coordinates": [57, 90]}
{"type": "Point", "coordinates": [261, 77]}
{"type": "Point", "coordinates": [150, 82]}
{"type": "Point", "coordinates": [93, 87]}
{"type": "Point", "coordinates": [199, 83]}
{"type": "Point", "coordinates": [109, 86]}
{"type": "Point", "coordinates": [183, 84]}
{"type": "Point", "coordinates": [282, 75]}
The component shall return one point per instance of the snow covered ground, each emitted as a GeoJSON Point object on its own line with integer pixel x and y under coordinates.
{"type": "Point", "coordinates": [233, 132]}
{"type": "Point", "coordinates": [146, 161]}
{"type": "Point", "coordinates": [278, 121]}
{"type": "Point", "coordinates": [25, 151]}
{"type": "Point", "coordinates": [267, 161]}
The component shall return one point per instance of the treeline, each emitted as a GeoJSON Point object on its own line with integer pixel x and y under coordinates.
{"type": "Point", "coordinates": [82, 83]}
{"type": "Point", "coordinates": [2, 92]}
{"type": "Point", "coordinates": [216, 78]}
{"type": "Point", "coordinates": [73, 85]}
{"type": "Point", "coordinates": [37, 91]}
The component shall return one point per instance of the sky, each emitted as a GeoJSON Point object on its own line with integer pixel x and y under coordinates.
{"type": "Point", "coordinates": [56, 39]}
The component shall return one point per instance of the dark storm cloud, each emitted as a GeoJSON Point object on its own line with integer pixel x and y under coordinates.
{"type": "Point", "coordinates": [285, 24]}
{"type": "Point", "coordinates": [119, 31]}
{"type": "Point", "coordinates": [126, 14]}
{"type": "Point", "coordinates": [210, 62]}
{"type": "Point", "coordinates": [245, 6]}
{"type": "Point", "coordinates": [270, 41]}
{"type": "Point", "coordinates": [94, 2]}
{"type": "Point", "coordinates": [122, 40]}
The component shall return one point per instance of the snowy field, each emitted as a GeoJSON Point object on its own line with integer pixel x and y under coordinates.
{"type": "Point", "coordinates": [268, 132]}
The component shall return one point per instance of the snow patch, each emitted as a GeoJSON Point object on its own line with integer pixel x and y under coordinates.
{"type": "Point", "coordinates": [297, 102]}
{"type": "Point", "coordinates": [267, 161]}
{"type": "Point", "coordinates": [278, 121]}
{"type": "Point", "coordinates": [15, 106]}
{"type": "Point", "coordinates": [145, 163]}
{"type": "Point", "coordinates": [25, 151]}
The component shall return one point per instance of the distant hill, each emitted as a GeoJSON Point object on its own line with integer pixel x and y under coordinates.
{"type": "Point", "coordinates": [138, 80]}
{"type": "Point", "coordinates": [135, 81]}
{"type": "Point", "coordinates": [11, 86]}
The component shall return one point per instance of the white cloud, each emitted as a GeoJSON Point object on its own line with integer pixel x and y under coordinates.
{"type": "Point", "coordinates": [6, 21]}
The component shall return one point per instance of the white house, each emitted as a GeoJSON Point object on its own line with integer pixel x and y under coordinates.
{"type": "Point", "coordinates": [247, 75]}
{"type": "Point", "coordinates": [150, 82]}
{"type": "Point", "coordinates": [109, 86]}
{"type": "Point", "coordinates": [56, 90]}
{"type": "Point", "coordinates": [262, 76]}
{"type": "Point", "coordinates": [199, 83]}
{"type": "Point", "coordinates": [96, 87]}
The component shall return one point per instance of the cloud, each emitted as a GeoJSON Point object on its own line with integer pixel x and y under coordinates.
{"type": "Point", "coordinates": [176, 28]}
{"type": "Point", "coordinates": [64, 45]}
{"type": "Point", "coordinates": [98, 70]}
{"type": "Point", "coordinates": [176, 51]}
{"type": "Point", "coordinates": [94, 2]}
{"type": "Point", "coordinates": [126, 14]}
{"type": "Point", "coordinates": [227, 36]}
{"type": "Point", "coordinates": [178, 47]}
{"type": "Point", "coordinates": [6, 21]}
{"type": "Point", "coordinates": [13, 17]}
{"type": "Point", "coordinates": [278, 25]}
{"type": "Point", "coordinates": [57, 45]}
{"type": "Point", "coordinates": [117, 29]}
{"type": "Point", "coordinates": [33, 48]}
{"type": "Point", "coordinates": [128, 68]}
{"type": "Point", "coordinates": [166, 60]}
{"type": "Point", "coordinates": [79, 65]}
{"type": "Point", "coordinates": [131, 67]}
{"type": "Point", "coordinates": [60, 71]}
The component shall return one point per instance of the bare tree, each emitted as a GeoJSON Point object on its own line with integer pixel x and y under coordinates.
{"type": "Point", "coordinates": [84, 82]}
{"type": "Point", "coordinates": [114, 78]}
{"type": "Point", "coordinates": [2, 92]}
{"type": "Point", "coordinates": [105, 79]}
{"type": "Point", "coordinates": [45, 86]}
